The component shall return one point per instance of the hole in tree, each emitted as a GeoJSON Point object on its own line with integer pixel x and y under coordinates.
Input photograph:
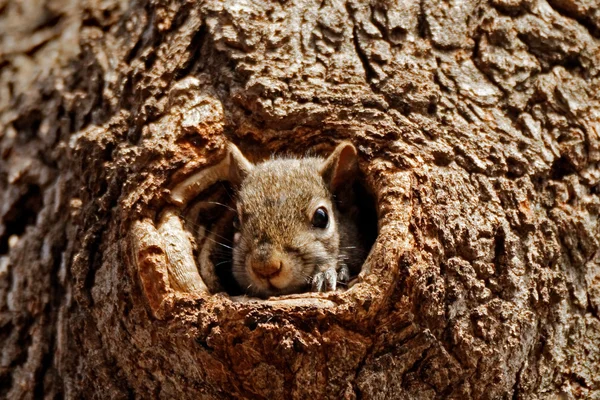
{"type": "Point", "coordinates": [214, 211]}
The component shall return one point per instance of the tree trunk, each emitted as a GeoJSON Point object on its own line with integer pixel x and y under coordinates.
{"type": "Point", "coordinates": [477, 126]}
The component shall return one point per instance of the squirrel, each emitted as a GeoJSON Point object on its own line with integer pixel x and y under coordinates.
{"type": "Point", "coordinates": [296, 224]}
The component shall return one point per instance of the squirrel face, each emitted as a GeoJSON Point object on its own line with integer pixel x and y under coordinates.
{"type": "Point", "coordinates": [288, 226]}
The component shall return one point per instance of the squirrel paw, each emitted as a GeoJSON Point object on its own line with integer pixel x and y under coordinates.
{"type": "Point", "coordinates": [328, 279]}
{"type": "Point", "coordinates": [343, 275]}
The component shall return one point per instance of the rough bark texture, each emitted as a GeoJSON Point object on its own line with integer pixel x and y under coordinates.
{"type": "Point", "coordinates": [477, 125]}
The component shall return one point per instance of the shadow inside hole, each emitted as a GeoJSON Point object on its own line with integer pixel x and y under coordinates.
{"type": "Point", "coordinates": [215, 212]}
{"type": "Point", "coordinates": [367, 219]}
{"type": "Point", "coordinates": [210, 219]}
{"type": "Point", "coordinates": [223, 262]}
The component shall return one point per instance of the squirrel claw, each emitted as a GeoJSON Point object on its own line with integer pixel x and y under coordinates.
{"type": "Point", "coordinates": [325, 281]}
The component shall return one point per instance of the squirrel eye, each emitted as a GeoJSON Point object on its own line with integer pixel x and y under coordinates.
{"type": "Point", "coordinates": [320, 218]}
{"type": "Point", "coordinates": [236, 223]}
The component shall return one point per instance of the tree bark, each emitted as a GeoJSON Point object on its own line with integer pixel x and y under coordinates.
{"type": "Point", "coordinates": [477, 126]}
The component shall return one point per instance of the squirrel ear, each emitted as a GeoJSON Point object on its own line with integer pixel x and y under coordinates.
{"type": "Point", "coordinates": [340, 167]}
{"type": "Point", "coordinates": [239, 166]}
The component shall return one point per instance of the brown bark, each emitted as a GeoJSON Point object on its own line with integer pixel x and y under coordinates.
{"type": "Point", "coordinates": [477, 126]}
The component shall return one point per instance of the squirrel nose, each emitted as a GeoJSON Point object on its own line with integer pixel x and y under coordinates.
{"type": "Point", "coordinates": [267, 268]}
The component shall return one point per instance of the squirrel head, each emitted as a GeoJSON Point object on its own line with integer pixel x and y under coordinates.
{"type": "Point", "coordinates": [288, 221]}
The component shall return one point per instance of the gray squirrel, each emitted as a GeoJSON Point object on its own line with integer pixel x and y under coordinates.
{"type": "Point", "coordinates": [296, 225]}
